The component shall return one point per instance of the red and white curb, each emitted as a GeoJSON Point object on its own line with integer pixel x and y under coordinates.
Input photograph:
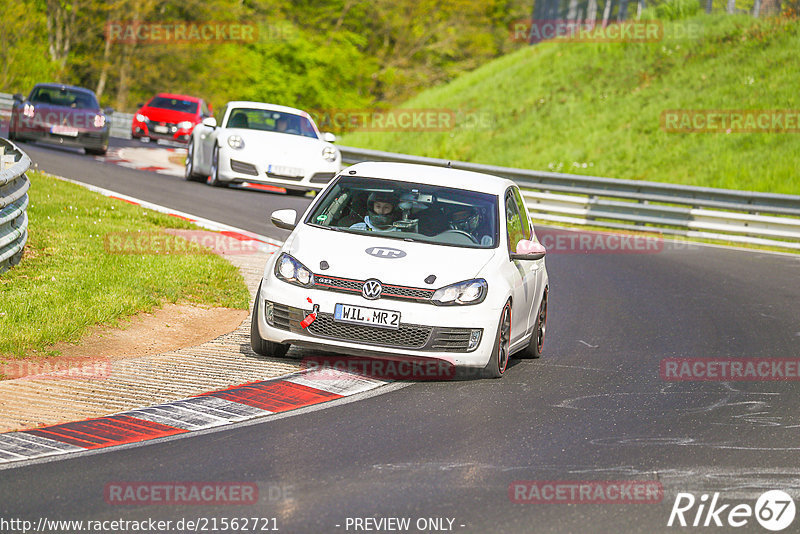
{"type": "Point", "coordinates": [214, 409]}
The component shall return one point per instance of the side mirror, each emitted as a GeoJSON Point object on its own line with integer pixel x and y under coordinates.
{"type": "Point", "coordinates": [286, 219]}
{"type": "Point", "coordinates": [329, 137]}
{"type": "Point", "coordinates": [18, 97]}
{"type": "Point", "coordinates": [529, 250]}
{"type": "Point", "coordinates": [211, 122]}
{"type": "Point", "coordinates": [139, 105]}
{"type": "Point", "coordinates": [108, 111]}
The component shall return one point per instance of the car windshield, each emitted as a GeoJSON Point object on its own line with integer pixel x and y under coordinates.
{"type": "Point", "coordinates": [174, 104]}
{"type": "Point", "coordinates": [410, 211]}
{"type": "Point", "coordinates": [64, 96]}
{"type": "Point", "coordinates": [271, 121]}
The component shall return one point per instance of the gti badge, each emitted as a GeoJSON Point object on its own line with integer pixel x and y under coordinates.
{"type": "Point", "coordinates": [385, 252]}
{"type": "Point", "coordinates": [371, 289]}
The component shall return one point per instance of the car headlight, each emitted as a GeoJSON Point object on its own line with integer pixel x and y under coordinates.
{"type": "Point", "coordinates": [183, 125]}
{"type": "Point", "coordinates": [99, 121]}
{"type": "Point", "coordinates": [467, 292]}
{"type": "Point", "coordinates": [236, 141]}
{"type": "Point", "coordinates": [141, 118]}
{"type": "Point", "coordinates": [292, 271]}
{"type": "Point", "coordinates": [329, 153]}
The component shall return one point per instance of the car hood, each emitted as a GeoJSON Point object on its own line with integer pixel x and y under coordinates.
{"type": "Point", "coordinates": [346, 256]}
{"type": "Point", "coordinates": [167, 115]}
{"type": "Point", "coordinates": [283, 148]}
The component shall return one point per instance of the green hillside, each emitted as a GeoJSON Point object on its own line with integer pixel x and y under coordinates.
{"type": "Point", "coordinates": [595, 108]}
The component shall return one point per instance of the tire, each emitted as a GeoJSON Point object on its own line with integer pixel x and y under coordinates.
{"type": "Point", "coordinates": [96, 151]}
{"type": "Point", "coordinates": [498, 361]}
{"type": "Point", "coordinates": [11, 135]}
{"type": "Point", "coordinates": [189, 175]}
{"type": "Point", "coordinates": [536, 344]}
{"type": "Point", "coordinates": [261, 346]}
{"type": "Point", "coordinates": [213, 179]}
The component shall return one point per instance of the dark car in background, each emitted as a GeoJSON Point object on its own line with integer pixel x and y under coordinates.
{"type": "Point", "coordinates": [169, 116]}
{"type": "Point", "coordinates": [61, 114]}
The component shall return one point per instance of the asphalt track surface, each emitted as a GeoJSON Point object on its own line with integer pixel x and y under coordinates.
{"type": "Point", "coordinates": [593, 408]}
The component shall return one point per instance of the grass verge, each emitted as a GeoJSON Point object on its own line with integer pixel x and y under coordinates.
{"type": "Point", "coordinates": [595, 108]}
{"type": "Point", "coordinates": [67, 282]}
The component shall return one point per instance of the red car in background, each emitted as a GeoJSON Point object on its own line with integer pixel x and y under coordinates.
{"type": "Point", "coordinates": [168, 116]}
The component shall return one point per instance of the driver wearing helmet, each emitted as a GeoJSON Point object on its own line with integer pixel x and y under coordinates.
{"type": "Point", "coordinates": [468, 219]}
{"type": "Point", "coordinates": [382, 212]}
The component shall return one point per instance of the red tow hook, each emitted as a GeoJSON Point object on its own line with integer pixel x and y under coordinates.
{"type": "Point", "coordinates": [311, 317]}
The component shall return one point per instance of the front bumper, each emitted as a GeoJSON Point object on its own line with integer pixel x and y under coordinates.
{"type": "Point", "coordinates": [144, 129]}
{"type": "Point", "coordinates": [238, 167]}
{"type": "Point", "coordinates": [86, 138]}
{"type": "Point", "coordinates": [426, 330]}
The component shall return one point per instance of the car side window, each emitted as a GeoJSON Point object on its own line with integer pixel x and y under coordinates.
{"type": "Point", "coordinates": [514, 225]}
{"type": "Point", "coordinates": [525, 217]}
{"type": "Point", "coordinates": [204, 109]}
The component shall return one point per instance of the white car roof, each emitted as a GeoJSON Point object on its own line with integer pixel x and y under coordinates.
{"type": "Point", "coordinates": [263, 105]}
{"type": "Point", "coordinates": [431, 175]}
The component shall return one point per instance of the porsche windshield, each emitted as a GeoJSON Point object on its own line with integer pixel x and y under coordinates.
{"type": "Point", "coordinates": [403, 210]}
{"type": "Point", "coordinates": [271, 121]}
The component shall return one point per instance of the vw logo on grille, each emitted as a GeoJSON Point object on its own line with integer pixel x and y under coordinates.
{"type": "Point", "coordinates": [371, 289]}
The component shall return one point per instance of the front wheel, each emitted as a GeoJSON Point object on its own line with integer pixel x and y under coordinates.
{"type": "Point", "coordinates": [498, 361]}
{"type": "Point", "coordinates": [257, 343]}
{"type": "Point", "coordinates": [96, 151]}
{"type": "Point", "coordinates": [213, 178]}
{"type": "Point", "coordinates": [189, 173]}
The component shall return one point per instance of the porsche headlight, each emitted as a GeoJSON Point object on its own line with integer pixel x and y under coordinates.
{"type": "Point", "coordinates": [329, 153]}
{"type": "Point", "coordinates": [467, 292]}
{"type": "Point", "coordinates": [141, 118]}
{"type": "Point", "coordinates": [236, 141]}
{"type": "Point", "coordinates": [185, 125]}
{"type": "Point", "coordinates": [292, 271]}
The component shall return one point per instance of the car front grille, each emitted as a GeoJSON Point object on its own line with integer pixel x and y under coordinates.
{"type": "Point", "coordinates": [284, 177]}
{"type": "Point", "coordinates": [243, 168]}
{"type": "Point", "coordinates": [348, 285]}
{"type": "Point", "coordinates": [408, 336]}
{"type": "Point", "coordinates": [451, 339]}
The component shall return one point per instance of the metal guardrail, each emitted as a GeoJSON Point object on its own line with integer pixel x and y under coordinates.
{"type": "Point", "coordinates": [14, 187]}
{"type": "Point", "coordinates": [697, 212]}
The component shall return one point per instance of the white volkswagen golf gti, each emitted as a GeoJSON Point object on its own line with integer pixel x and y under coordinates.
{"type": "Point", "coordinates": [395, 260]}
{"type": "Point", "coordinates": [262, 143]}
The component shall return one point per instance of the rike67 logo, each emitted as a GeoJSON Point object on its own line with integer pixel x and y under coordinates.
{"type": "Point", "coordinates": [774, 510]}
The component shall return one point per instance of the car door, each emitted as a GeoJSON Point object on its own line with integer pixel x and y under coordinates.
{"type": "Point", "coordinates": [522, 273]}
{"type": "Point", "coordinates": [535, 268]}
